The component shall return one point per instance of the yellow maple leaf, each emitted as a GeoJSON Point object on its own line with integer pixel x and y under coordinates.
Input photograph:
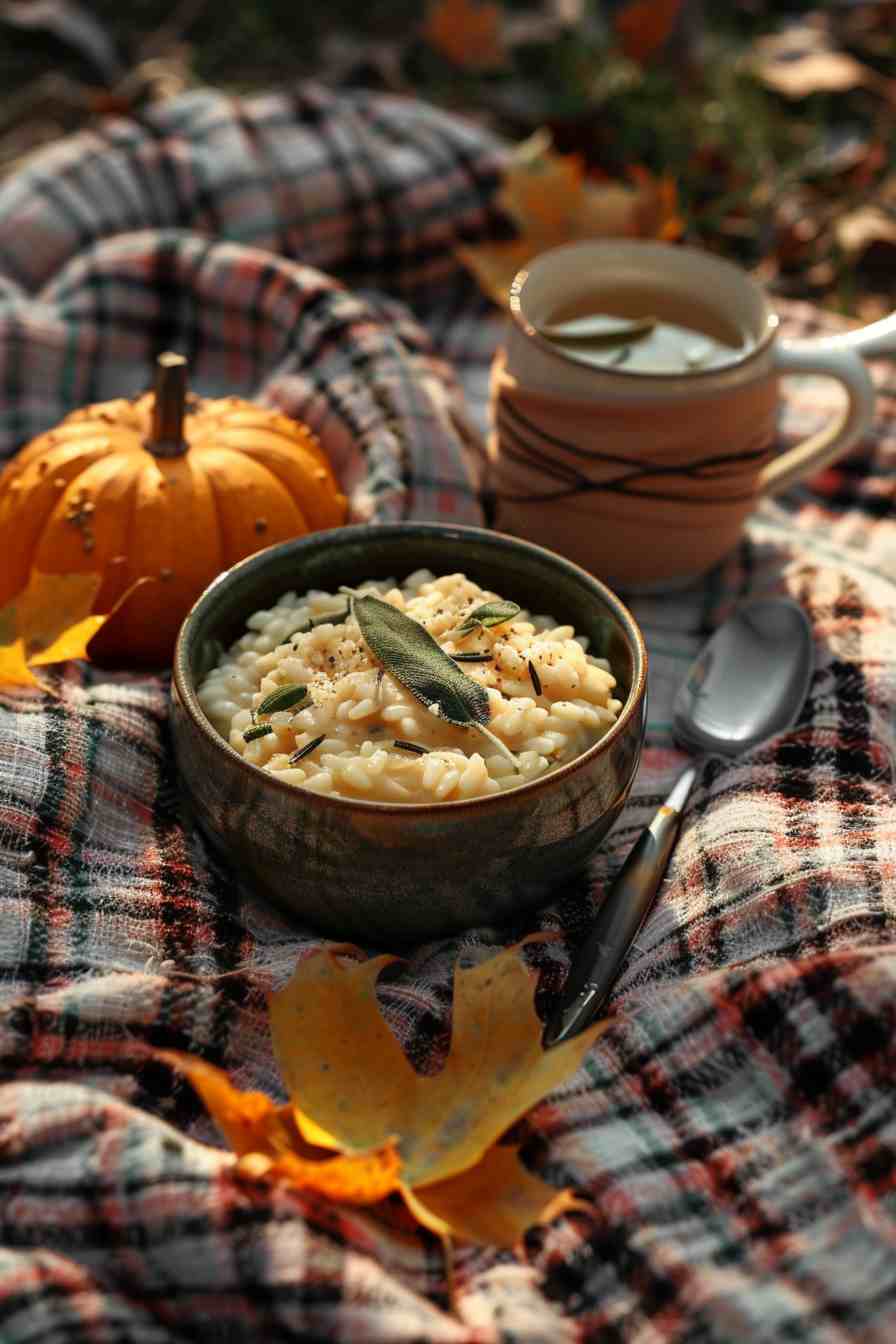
{"type": "Point", "coordinates": [551, 201]}
{"type": "Point", "coordinates": [49, 621]}
{"type": "Point", "coordinates": [356, 1099]}
{"type": "Point", "coordinates": [257, 1128]}
{"type": "Point", "coordinates": [469, 33]}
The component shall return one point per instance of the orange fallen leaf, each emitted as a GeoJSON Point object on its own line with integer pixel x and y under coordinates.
{"type": "Point", "coordinates": [363, 1123]}
{"type": "Point", "coordinates": [353, 1087]}
{"type": "Point", "coordinates": [49, 621]}
{"type": "Point", "coordinates": [644, 26]}
{"type": "Point", "coordinates": [552, 201]}
{"type": "Point", "coordinates": [257, 1128]}
{"type": "Point", "coordinates": [492, 1202]}
{"type": "Point", "coordinates": [470, 33]}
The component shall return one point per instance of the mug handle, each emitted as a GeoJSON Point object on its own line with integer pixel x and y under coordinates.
{"type": "Point", "coordinates": [835, 358]}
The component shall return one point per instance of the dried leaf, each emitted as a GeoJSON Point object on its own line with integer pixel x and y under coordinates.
{"type": "Point", "coordinates": [551, 201]}
{"type": "Point", "coordinates": [644, 26]}
{"type": "Point", "coordinates": [50, 621]}
{"type": "Point", "coordinates": [868, 232]}
{"type": "Point", "coordinates": [254, 1126]}
{"type": "Point", "coordinates": [353, 1087]}
{"type": "Point", "coordinates": [469, 34]}
{"type": "Point", "coordinates": [543, 191]}
{"type": "Point", "coordinates": [491, 1202]}
{"type": "Point", "coordinates": [361, 1123]}
{"type": "Point", "coordinates": [801, 61]}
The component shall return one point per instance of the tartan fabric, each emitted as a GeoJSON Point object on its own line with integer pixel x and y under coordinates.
{"type": "Point", "coordinates": [735, 1130]}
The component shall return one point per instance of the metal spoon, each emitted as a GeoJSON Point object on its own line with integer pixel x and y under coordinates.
{"type": "Point", "coordinates": [747, 685]}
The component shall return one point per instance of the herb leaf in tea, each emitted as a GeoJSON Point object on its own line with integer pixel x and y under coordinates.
{"type": "Point", "coordinates": [599, 330]}
{"type": "Point", "coordinates": [685, 333]}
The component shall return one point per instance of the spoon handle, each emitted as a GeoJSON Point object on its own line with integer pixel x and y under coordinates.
{"type": "Point", "coordinates": [619, 919]}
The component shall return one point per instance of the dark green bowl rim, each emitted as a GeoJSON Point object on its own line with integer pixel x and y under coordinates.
{"type": "Point", "coordinates": [501, 541]}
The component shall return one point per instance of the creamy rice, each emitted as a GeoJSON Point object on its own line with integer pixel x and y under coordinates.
{"type": "Point", "coordinates": [360, 711]}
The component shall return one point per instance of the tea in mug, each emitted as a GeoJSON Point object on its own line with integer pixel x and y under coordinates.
{"type": "Point", "coordinates": [645, 330]}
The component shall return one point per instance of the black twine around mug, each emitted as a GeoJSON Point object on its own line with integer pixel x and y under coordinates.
{"type": "Point", "coordinates": [513, 426]}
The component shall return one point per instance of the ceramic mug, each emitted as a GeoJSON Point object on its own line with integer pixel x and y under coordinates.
{"type": "Point", "coordinates": [646, 478]}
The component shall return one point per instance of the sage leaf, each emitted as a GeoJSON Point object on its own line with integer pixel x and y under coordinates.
{"type": "Point", "coordinates": [408, 651]}
{"type": "Point", "coordinates": [283, 698]}
{"type": "Point", "coordinates": [411, 655]}
{"type": "Point", "coordinates": [488, 615]}
{"type": "Point", "coordinates": [260, 730]}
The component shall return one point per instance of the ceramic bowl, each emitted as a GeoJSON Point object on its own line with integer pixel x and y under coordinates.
{"type": "Point", "coordinates": [387, 874]}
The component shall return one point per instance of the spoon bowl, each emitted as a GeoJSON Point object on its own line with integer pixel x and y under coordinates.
{"type": "Point", "coordinates": [749, 682]}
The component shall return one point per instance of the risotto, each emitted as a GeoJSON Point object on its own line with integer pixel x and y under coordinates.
{"type": "Point", "coordinates": [301, 696]}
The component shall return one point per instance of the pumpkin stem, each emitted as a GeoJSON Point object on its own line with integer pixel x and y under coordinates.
{"type": "Point", "coordinates": [166, 437]}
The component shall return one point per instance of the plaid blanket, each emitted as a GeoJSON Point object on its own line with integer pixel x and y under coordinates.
{"type": "Point", "coordinates": [735, 1130]}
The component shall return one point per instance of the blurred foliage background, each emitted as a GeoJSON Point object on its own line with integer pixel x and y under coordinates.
{"type": "Point", "coordinates": [776, 124]}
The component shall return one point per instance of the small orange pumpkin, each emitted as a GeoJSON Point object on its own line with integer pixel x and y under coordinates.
{"type": "Point", "coordinates": [164, 487]}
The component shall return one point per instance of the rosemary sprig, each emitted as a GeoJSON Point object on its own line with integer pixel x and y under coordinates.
{"type": "Point", "coordinates": [329, 618]}
{"type": "Point", "coordinates": [534, 678]}
{"type": "Point", "coordinates": [306, 750]}
{"type": "Point", "coordinates": [259, 730]}
{"type": "Point", "coordinates": [472, 657]}
{"type": "Point", "coordinates": [410, 746]}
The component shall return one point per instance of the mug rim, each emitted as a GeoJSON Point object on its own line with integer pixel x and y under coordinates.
{"type": "Point", "coordinates": [549, 348]}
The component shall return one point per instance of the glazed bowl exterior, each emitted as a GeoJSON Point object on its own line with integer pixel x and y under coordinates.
{"type": "Point", "coordinates": [398, 874]}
